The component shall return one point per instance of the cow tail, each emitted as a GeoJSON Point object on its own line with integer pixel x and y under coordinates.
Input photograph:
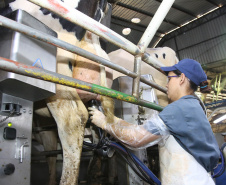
{"type": "Point", "coordinates": [106, 102]}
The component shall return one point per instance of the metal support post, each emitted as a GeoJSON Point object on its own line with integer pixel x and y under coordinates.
{"type": "Point", "coordinates": [136, 81]}
{"type": "Point", "coordinates": [154, 24]}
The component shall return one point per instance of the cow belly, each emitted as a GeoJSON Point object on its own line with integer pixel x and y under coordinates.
{"type": "Point", "coordinates": [89, 71]}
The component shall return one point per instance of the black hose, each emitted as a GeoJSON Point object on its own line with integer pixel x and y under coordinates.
{"type": "Point", "coordinates": [143, 175]}
{"type": "Point", "coordinates": [139, 167]}
{"type": "Point", "coordinates": [89, 146]}
{"type": "Point", "coordinates": [101, 136]}
{"type": "Point", "coordinates": [128, 162]}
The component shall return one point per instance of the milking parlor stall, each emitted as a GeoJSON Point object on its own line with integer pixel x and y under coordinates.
{"type": "Point", "coordinates": [54, 147]}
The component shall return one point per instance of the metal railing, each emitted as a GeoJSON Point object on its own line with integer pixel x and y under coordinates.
{"type": "Point", "coordinates": [88, 23]}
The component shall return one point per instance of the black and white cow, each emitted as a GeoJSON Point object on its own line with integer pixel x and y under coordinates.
{"type": "Point", "coordinates": [67, 106]}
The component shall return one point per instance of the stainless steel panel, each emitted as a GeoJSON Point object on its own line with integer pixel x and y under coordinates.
{"type": "Point", "coordinates": [27, 50]}
{"type": "Point", "coordinates": [17, 151]}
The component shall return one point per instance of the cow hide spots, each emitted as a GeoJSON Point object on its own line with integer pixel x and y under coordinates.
{"type": "Point", "coordinates": [165, 55]}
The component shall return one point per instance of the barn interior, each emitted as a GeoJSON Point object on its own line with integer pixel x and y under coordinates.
{"type": "Point", "coordinates": [192, 28]}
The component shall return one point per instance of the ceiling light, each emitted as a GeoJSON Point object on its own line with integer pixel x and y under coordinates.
{"type": "Point", "coordinates": [135, 20]}
{"type": "Point", "coordinates": [220, 119]}
{"type": "Point", "coordinates": [126, 31]}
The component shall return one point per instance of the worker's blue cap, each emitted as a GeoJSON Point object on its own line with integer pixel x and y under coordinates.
{"type": "Point", "coordinates": [191, 68]}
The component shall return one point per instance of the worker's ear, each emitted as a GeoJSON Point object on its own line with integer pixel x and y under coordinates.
{"type": "Point", "coordinates": [182, 78]}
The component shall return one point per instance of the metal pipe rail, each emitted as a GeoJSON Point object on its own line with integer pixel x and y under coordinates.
{"type": "Point", "coordinates": [35, 72]}
{"type": "Point", "coordinates": [75, 16]}
{"type": "Point", "coordinates": [88, 23]}
{"type": "Point", "coordinates": [154, 24]}
{"type": "Point", "coordinates": [8, 23]}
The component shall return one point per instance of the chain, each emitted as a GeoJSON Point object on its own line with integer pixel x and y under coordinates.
{"type": "Point", "coordinates": [10, 114]}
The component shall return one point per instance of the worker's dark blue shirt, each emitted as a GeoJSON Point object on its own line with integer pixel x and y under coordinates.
{"type": "Point", "coordinates": [188, 124]}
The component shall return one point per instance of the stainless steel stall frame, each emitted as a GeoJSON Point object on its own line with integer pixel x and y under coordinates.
{"type": "Point", "coordinates": [88, 23]}
{"type": "Point", "coordinates": [104, 32]}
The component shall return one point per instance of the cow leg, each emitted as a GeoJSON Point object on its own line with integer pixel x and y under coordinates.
{"type": "Point", "coordinates": [71, 117]}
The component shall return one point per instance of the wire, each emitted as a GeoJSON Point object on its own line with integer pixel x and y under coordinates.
{"type": "Point", "coordinates": [10, 114]}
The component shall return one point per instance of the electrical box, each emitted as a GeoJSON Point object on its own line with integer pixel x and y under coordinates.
{"type": "Point", "coordinates": [15, 142]}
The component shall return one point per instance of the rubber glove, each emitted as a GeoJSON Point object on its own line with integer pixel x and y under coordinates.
{"type": "Point", "coordinates": [98, 118]}
{"type": "Point", "coordinates": [134, 136]}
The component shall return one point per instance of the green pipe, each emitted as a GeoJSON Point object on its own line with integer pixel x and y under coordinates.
{"type": "Point", "coordinates": [35, 72]}
{"type": "Point", "coordinates": [124, 97]}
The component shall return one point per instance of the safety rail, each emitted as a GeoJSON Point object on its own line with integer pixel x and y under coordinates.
{"type": "Point", "coordinates": [36, 72]}
{"type": "Point", "coordinates": [8, 23]}
{"type": "Point", "coordinates": [75, 16]}
{"type": "Point", "coordinates": [88, 23]}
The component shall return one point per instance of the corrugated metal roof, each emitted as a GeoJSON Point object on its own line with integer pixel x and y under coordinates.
{"type": "Point", "coordinates": [181, 12]}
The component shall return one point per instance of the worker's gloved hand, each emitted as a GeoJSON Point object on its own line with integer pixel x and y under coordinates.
{"type": "Point", "coordinates": [98, 118]}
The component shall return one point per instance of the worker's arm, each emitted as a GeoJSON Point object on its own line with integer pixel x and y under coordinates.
{"type": "Point", "coordinates": [135, 136]}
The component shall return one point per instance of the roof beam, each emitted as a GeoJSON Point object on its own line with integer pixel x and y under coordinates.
{"type": "Point", "coordinates": [218, 128]}
{"type": "Point", "coordinates": [144, 12]}
{"type": "Point", "coordinates": [129, 22]}
{"type": "Point", "coordinates": [213, 15]}
{"type": "Point", "coordinates": [181, 9]}
{"type": "Point", "coordinates": [114, 21]}
{"type": "Point", "coordinates": [212, 2]}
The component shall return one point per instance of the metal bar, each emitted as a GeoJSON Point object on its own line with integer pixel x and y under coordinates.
{"type": "Point", "coordinates": [145, 13]}
{"type": "Point", "coordinates": [84, 155]}
{"type": "Point", "coordinates": [35, 72]}
{"type": "Point", "coordinates": [163, 89]}
{"type": "Point", "coordinates": [130, 23]}
{"type": "Point", "coordinates": [136, 81]}
{"type": "Point", "coordinates": [47, 153]}
{"type": "Point", "coordinates": [90, 24]}
{"type": "Point", "coordinates": [45, 128]}
{"type": "Point", "coordinates": [8, 23]}
{"type": "Point", "coordinates": [147, 58]}
{"type": "Point", "coordinates": [154, 24]}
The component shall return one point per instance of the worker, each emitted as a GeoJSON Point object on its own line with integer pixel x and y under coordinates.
{"type": "Point", "coordinates": [187, 147]}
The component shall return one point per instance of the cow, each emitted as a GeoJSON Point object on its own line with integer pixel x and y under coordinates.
{"type": "Point", "coordinates": [165, 55]}
{"type": "Point", "coordinates": [67, 107]}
